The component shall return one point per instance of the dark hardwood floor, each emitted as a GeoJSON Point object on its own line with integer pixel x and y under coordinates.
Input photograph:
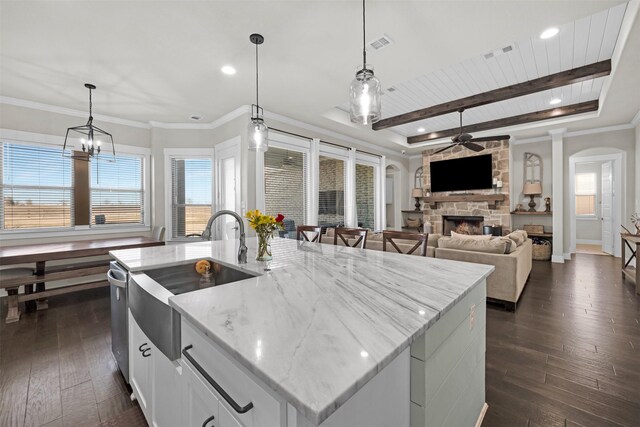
{"type": "Point", "coordinates": [569, 356]}
{"type": "Point", "coordinates": [56, 367]}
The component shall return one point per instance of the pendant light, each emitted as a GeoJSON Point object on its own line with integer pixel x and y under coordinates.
{"type": "Point", "coordinates": [257, 131]}
{"type": "Point", "coordinates": [365, 91]}
{"type": "Point", "coordinates": [92, 136]}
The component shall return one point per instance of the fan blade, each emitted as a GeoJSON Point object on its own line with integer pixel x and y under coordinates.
{"type": "Point", "coordinates": [491, 138]}
{"type": "Point", "coordinates": [445, 148]}
{"type": "Point", "coordinates": [473, 147]}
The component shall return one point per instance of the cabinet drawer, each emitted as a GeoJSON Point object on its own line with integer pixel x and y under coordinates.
{"type": "Point", "coordinates": [239, 384]}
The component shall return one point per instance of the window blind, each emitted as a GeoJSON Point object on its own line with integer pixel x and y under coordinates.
{"type": "Point", "coordinates": [191, 184]}
{"type": "Point", "coordinates": [117, 190]}
{"type": "Point", "coordinates": [286, 186]}
{"type": "Point", "coordinates": [586, 189]}
{"type": "Point", "coordinates": [36, 187]}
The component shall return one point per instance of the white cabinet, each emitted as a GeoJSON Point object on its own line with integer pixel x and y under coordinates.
{"type": "Point", "coordinates": [154, 379]}
{"type": "Point", "coordinates": [140, 366]}
{"type": "Point", "coordinates": [198, 402]}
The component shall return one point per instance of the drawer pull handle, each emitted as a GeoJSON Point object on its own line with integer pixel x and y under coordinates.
{"type": "Point", "coordinates": [211, 418]}
{"type": "Point", "coordinates": [239, 409]}
{"type": "Point", "coordinates": [146, 352]}
{"type": "Point", "coordinates": [143, 349]}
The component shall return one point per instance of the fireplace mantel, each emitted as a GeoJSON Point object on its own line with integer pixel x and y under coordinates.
{"type": "Point", "coordinates": [491, 199]}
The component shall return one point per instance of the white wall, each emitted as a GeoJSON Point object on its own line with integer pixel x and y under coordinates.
{"type": "Point", "coordinates": [637, 176]}
{"type": "Point", "coordinates": [603, 143]}
{"type": "Point", "coordinates": [589, 229]}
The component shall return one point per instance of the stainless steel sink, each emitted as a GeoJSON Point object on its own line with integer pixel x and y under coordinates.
{"type": "Point", "coordinates": [184, 278]}
{"type": "Point", "coordinates": [149, 294]}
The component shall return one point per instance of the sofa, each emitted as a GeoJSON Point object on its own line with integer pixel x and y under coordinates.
{"type": "Point", "coordinates": [504, 285]}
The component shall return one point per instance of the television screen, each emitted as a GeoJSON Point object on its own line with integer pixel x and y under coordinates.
{"type": "Point", "coordinates": [467, 173]}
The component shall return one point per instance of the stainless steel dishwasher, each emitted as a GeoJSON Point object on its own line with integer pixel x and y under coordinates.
{"type": "Point", "coordinates": [118, 277]}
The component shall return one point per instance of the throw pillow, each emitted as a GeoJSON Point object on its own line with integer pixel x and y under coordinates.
{"type": "Point", "coordinates": [511, 245]}
{"type": "Point", "coordinates": [470, 236]}
{"type": "Point", "coordinates": [516, 237]}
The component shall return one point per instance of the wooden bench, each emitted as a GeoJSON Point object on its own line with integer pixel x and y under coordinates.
{"type": "Point", "coordinates": [11, 280]}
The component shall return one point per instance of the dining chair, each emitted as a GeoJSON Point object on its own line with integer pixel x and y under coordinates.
{"type": "Point", "coordinates": [158, 233]}
{"type": "Point", "coordinates": [419, 238]}
{"type": "Point", "coordinates": [315, 233]}
{"type": "Point", "coordinates": [346, 233]}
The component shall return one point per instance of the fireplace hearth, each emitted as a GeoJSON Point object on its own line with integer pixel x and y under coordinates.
{"type": "Point", "coordinates": [462, 224]}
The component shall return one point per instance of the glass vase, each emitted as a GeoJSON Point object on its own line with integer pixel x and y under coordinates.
{"type": "Point", "coordinates": [264, 246]}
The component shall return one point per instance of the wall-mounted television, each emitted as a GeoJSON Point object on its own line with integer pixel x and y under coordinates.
{"type": "Point", "coordinates": [466, 173]}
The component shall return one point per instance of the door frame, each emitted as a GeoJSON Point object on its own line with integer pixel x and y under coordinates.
{"type": "Point", "coordinates": [618, 199]}
{"type": "Point", "coordinates": [224, 150]}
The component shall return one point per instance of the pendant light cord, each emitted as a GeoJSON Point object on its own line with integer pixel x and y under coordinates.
{"type": "Point", "coordinates": [90, 104]}
{"type": "Point", "coordinates": [257, 91]}
{"type": "Point", "coordinates": [364, 38]}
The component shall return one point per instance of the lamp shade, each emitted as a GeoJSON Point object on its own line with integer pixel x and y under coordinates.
{"type": "Point", "coordinates": [416, 192]}
{"type": "Point", "coordinates": [532, 188]}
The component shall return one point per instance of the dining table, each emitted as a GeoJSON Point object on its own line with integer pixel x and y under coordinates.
{"type": "Point", "coordinates": [42, 253]}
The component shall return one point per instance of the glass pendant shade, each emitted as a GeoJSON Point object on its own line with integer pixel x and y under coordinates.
{"type": "Point", "coordinates": [258, 134]}
{"type": "Point", "coordinates": [365, 97]}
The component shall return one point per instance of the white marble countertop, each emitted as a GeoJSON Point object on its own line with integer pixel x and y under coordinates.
{"type": "Point", "coordinates": [325, 320]}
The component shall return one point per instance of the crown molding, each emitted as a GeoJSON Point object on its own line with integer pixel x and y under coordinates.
{"type": "Point", "coordinates": [70, 112]}
{"type": "Point", "coordinates": [238, 112]}
{"type": "Point", "coordinates": [576, 133]}
{"type": "Point", "coordinates": [636, 119]}
{"type": "Point", "coordinates": [333, 134]}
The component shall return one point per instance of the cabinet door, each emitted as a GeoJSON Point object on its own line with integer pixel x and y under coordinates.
{"type": "Point", "coordinates": [226, 419]}
{"type": "Point", "coordinates": [140, 366]}
{"type": "Point", "coordinates": [166, 391]}
{"type": "Point", "coordinates": [198, 402]}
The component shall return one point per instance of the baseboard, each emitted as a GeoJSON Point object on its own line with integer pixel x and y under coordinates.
{"type": "Point", "coordinates": [557, 258]}
{"type": "Point", "coordinates": [588, 242]}
{"type": "Point", "coordinates": [567, 256]}
{"type": "Point", "coordinates": [483, 412]}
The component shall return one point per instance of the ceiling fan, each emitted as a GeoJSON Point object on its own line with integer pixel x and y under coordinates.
{"type": "Point", "coordinates": [468, 141]}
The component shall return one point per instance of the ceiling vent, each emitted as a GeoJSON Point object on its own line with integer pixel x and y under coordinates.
{"type": "Point", "coordinates": [380, 43]}
{"type": "Point", "coordinates": [391, 89]}
{"type": "Point", "coordinates": [499, 52]}
{"type": "Point", "coordinates": [195, 118]}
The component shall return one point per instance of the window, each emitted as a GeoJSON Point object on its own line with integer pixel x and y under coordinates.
{"type": "Point", "coordinates": [586, 191]}
{"type": "Point", "coordinates": [117, 190]}
{"type": "Point", "coordinates": [331, 197]}
{"type": "Point", "coordinates": [285, 185]}
{"type": "Point", "coordinates": [37, 187]}
{"type": "Point", "coordinates": [365, 195]}
{"type": "Point", "coordinates": [191, 190]}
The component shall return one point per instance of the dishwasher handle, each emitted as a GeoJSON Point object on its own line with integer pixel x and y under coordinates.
{"type": "Point", "coordinates": [239, 409]}
{"type": "Point", "coordinates": [116, 282]}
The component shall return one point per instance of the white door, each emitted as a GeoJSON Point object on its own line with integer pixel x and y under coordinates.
{"type": "Point", "coordinates": [606, 211]}
{"type": "Point", "coordinates": [228, 187]}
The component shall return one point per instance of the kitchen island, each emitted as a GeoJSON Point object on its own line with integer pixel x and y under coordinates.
{"type": "Point", "coordinates": [326, 335]}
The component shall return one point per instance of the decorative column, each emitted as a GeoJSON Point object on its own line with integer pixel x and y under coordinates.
{"type": "Point", "coordinates": [557, 202]}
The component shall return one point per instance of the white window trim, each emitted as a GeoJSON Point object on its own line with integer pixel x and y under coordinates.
{"type": "Point", "coordinates": [46, 140]}
{"type": "Point", "coordinates": [181, 153]}
{"type": "Point", "coordinates": [379, 173]}
{"type": "Point", "coordinates": [347, 155]}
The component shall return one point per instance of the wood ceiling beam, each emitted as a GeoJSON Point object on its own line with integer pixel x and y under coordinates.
{"type": "Point", "coordinates": [563, 78]}
{"type": "Point", "coordinates": [551, 113]}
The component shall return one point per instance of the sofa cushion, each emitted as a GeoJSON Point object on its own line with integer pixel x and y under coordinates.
{"type": "Point", "coordinates": [517, 237]}
{"type": "Point", "coordinates": [493, 246]}
{"type": "Point", "coordinates": [455, 235]}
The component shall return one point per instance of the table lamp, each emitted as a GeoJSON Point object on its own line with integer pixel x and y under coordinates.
{"type": "Point", "coordinates": [416, 193]}
{"type": "Point", "coordinates": [532, 189]}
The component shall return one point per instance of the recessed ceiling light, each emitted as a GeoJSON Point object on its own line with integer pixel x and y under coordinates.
{"type": "Point", "coordinates": [195, 118]}
{"type": "Point", "coordinates": [549, 32]}
{"type": "Point", "coordinates": [555, 101]}
{"type": "Point", "coordinates": [228, 70]}
{"type": "Point", "coordinates": [421, 129]}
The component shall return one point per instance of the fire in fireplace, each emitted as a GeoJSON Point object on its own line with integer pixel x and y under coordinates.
{"type": "Point", "coordinates": [462, 224]}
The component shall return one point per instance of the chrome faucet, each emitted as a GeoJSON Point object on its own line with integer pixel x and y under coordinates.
{"type": "Point", "coordinates": [206, 234]}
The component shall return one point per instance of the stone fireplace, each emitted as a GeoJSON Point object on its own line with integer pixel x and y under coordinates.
{"type": "Point", "coordinates": [498, 215]}
{"type": "Point", "coordinates": [462, 224]}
